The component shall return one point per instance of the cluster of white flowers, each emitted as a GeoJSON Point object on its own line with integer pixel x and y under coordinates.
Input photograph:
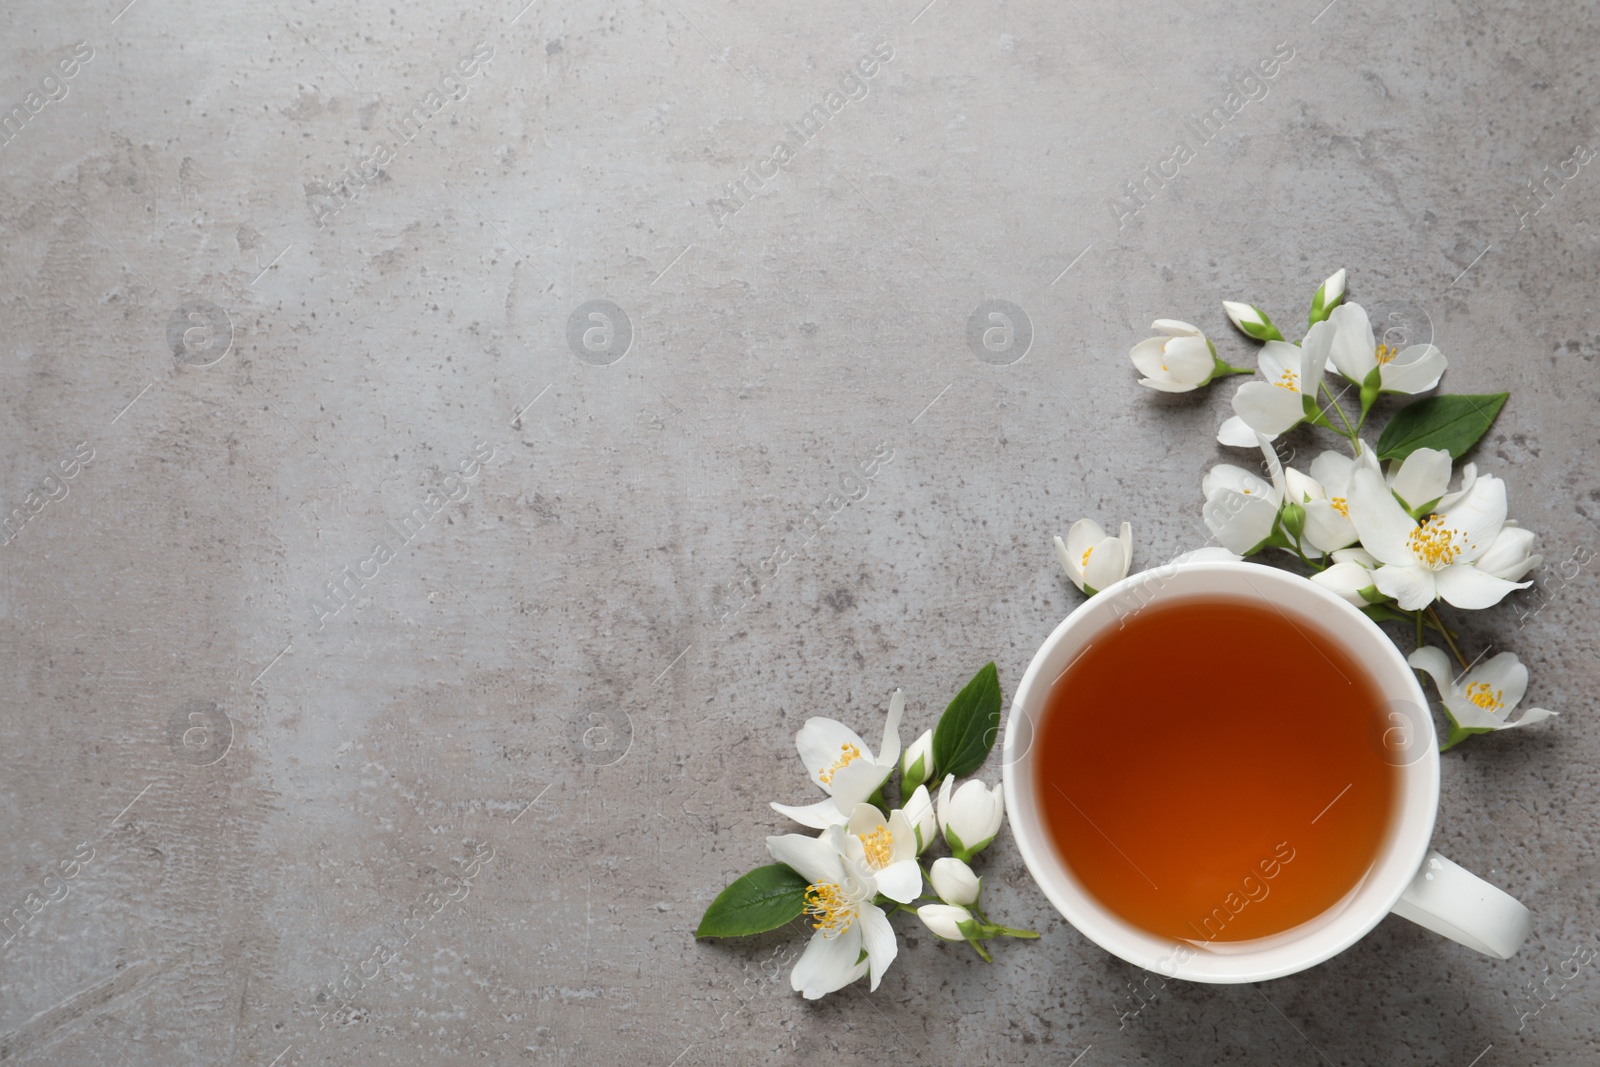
{"type": "Point", "coordinates": [1390, 541]}
{"type": "Point", "coordinates": [864, 864]}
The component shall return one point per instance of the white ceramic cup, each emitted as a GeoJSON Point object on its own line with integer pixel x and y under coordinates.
{"type": "Point", "coordinates": [1407, 878]}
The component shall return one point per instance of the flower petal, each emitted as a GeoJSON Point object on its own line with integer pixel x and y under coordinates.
{"type": "Point", "coordinates": [1236, 432]}
{"type": "Point", "coordinates": [1422, 477]}
{"type": "Point", "coordinates": [877, 937]}
{"type": "Point", "coordinates": [1167, 385]}
{"type": "Point", "coordinates": [812, 858]}
{"type": "Point", "coordinates": [1345, 580]}
{"type": "Point", "coordinates": [1326, 528]}
{"type": "Point", "coordinates": [1083, 535]}
{"type": "Point", "coordinates": [1277, 357]}
{"type": "Point", "coordinates": [1434, 663]}
{"type": "Point", "coordinates": [1107, 564]}
{"type": "Point", "coordinates": [1302, 487]}
{"type": "Point", "coordinates": [818, 816]}
{"type": "Point", "coordinates": [1332, 470]}
{"type": "Point", "coordinates": [1356, 555]}
{"type": "Point", "coordinates": [854, 783]}
{"type": "Point", "coordinates": [1239, 522]}
{"type": "Point", "coordinates": [1413, 587]}
{"type": "Point", "coordinates": [1354, 352]}
{"type": "Point", "coordinates": [903, 835]}
{"type": "Point", "coordinates": [1477, 517]}
{"type": "Point", "coordinates": [1506, 674]}
{"type": "Point", "coordinates": [1465, 586]}
{"type": "Point", "coordinates": [1069, 563]}
{"type": "Point", "coordinates": [1187, 360]}
{"type": "Point", "coordinates": [829, 963]}
{"type": "Point", "coordinates": [1383, 524]}
{"type": "Point", "coordinates": [1469, 478]}
{"type": "Point", "coordinates": [1146, 356]}
{"type": "Point", "coordinates": [1416, 370]}
{"type": "Point", "coordinates": [864, 819]}
{"type": "Point", "coordinates": [1510, 555]}
{"type": "Point", "coordinates": [1227, 476]}
{"type": "Point", "coordinates": [900, 881]}
{"type": "Point", "coordinates": [1314, 352]}
{"type": "Point", "coordinates": [1531, 715]}
{"type": "Point", "coordinates": [822, 743]}
{"type": "Point", "coordinates": [889, 750]}
{"type": "Point", "coordinates": [1176, 328]}
{"type": "Point", "coordinates": [1268, 409]}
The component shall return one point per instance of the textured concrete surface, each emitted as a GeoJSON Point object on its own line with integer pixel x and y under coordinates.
{"type": "Point", "coordinates": [261, 308]}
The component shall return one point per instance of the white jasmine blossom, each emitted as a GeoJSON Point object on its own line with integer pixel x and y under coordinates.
{"type": "Point", "coordinates": [887, 848]}
{"type": "Point", "coordinates": [1092, 559]}
{"type": "Point", "coordinates": [1434, 559]}
{"type": "Point", "coordinates": [945, 920]}
{"type": "Point", "coordinates": [1179, 360]}
{"type": "Point", "coordinates": [1350, 575]}
{"type": "Point", "coordinates": [920, 813]}
{"type": "Point", "coordinates": [916, 762]}
{"type": "Point", "coordinates": [1251, 321]}
{"type": "Point", "coordinates": [1510, 555]}
{"type": "Point", "coordinates": [1356, 355]}
{"type": "Point", "coordinates": [1485, 695]}
{"type": "Point", "coordinates": [1420, 480]}
{"type": "Point", "coordinates": [1329, 295]}
{"type": "Point", "coordinates": [1241, 507]}
{"type": "Point", "coordinates": [852, 934]}
{"type": "Point", "coordinates": [844, 766]}
{"type": "Point", "coordinates": [1326, 527]}
{"type": "Point", "coordinates": [1288, 396]}
{"type": "Point", "coordinates": [954, 881]}
{"type": "Point", "coordinates": [970, 816]}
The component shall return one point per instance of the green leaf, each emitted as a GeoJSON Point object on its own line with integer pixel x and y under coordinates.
{"type": "Point", "coordinates": [765, 899]}
{"type": "Point", "coordinates": [1453, 422]}
{"type": "Point", "coordinates": [1384, 613]}
{"type": "Point", "coordinates": [968, 727]}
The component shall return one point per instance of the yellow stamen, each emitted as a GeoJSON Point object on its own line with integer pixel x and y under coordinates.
{"type": "Point", "coordinates": [831, 911]}
{"type": "Point", "coordinates": [848, 755]}
{"type": "Point", "coordinates": [1340, 506]}
{"type": "Point", "coordinates": [1481, 695]}
{"type": "Point", "coordinates": [1386, 354]}
{"type": "Point", "coordinates": [879, 847]}
{"type": "Point", "coordinates": [1288, 380]}
{"type": "Point", "coordinates": [1434, 544]}
{"type": "Point", "coordinates": [1084, 565]}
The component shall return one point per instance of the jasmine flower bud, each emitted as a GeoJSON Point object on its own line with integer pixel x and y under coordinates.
{"type": "Point", "coordinates": [954, 881]}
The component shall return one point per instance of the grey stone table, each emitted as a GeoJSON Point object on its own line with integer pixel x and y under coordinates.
{"type": "Point", "coordinates": [587, 314]}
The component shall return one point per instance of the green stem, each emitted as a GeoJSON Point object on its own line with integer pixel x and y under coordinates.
{"type": "Point", "coordinates": [1299, 551]}
{"type": "Point", "coordinates": [1333, 402]}
{"type": "Point", "coordinates": [1447, 638]}
{"type": "Point", "coordinates": [1418, 616]}
{"type": "Point", "coordinates": [980, 950]}
{"type": "Point", "coordinates": [1010, 932]}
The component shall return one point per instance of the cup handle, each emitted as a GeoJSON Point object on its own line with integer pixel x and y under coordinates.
{"type": "Point", "coordinates": [1453, 901]}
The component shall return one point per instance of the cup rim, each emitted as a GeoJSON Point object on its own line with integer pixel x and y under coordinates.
{"type": "Point", "coordinates": [1340, 927]}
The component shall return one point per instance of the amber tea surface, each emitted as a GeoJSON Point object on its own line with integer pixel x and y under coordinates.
{"type": "Point", "coordinates": [1208, 772]}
